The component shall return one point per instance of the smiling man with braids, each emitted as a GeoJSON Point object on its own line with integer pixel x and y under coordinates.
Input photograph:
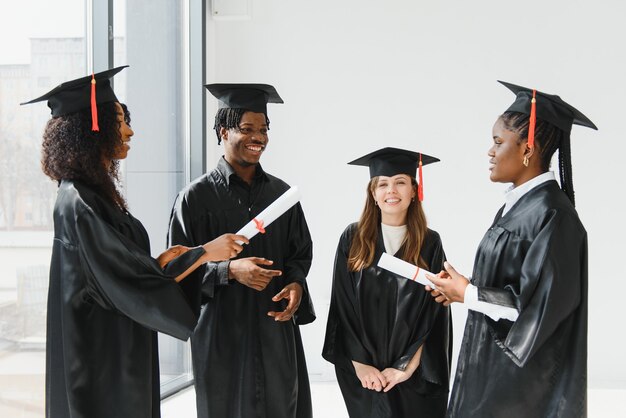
{"type": "Point", "coordinates": [247, 352]}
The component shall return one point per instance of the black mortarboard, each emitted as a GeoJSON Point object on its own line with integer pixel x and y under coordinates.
{"type": "Point", "coordinates": [252, 97]}
{"type": "Point", "coordinates": [392, 161]}
{"type": "Point", "coordinates": [549, 108]}
{"type": "Point", "coordinates": [82, 93]}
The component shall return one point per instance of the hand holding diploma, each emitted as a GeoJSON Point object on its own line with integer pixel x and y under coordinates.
{"type": "Point", "coordinates": [449, 286]}
{"type": "Point", "coordinates": [404, 269]}
{"type": "Point", "coordinates": [270, 213]}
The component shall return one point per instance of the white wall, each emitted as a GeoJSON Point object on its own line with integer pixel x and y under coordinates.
{"type": "Point", "coordinates": [357, 75]}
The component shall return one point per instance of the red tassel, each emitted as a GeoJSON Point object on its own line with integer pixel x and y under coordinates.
{"type": "Point", "coordinates": [259, 225]}
{"type": "Point", "coordinates": [420, 185]}
{"type": "Point", "coordinates": [533, 120]}
{"type": "Point", "coordinates": [94, 105]}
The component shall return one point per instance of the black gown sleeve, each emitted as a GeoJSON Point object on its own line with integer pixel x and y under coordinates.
{"type": "Point", "coordinates": [549, 288]}
{"type": "Point", "coordinates": [297, 262]}
{"type": "Point", "coordinates": [180, 264]}
{"type": "Point", "coordinates": [343, 343]}
{"type": "Point", "coordinates": [121, 276]}
{"type": "Point", "coordinates": [437, 351]}
{"type": "Point", "coordinates": [428, 318]}
{"type": "Point", "coordinates": [183, 223]}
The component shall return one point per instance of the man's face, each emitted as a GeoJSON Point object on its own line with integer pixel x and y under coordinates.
{"type": "Point", "coordinates": [244, 145]}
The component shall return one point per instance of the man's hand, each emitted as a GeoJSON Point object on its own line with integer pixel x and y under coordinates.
{"type": "Point", "coordinates": [248, 272]}
{"type": "Point", "coordinates": [450, 286]}
{"type": "Point", "coordinates": [293, 293]}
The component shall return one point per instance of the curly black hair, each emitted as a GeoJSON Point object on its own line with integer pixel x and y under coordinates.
{"type": "Point", "coordinates": [549, 138]}
{"type": "Point", "coordinates": [72, 151]}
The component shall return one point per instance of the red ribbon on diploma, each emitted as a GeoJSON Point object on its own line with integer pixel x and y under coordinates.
{"type": "Point", "coordinates": [415, 275]}
{"type": "Point", "coordinates": [259, 225]}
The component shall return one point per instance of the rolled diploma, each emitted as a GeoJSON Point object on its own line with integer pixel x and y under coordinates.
{"type": "Point", "coordinates": [271, 213]}
{"type": "Point", "coordinates": [404, 269]}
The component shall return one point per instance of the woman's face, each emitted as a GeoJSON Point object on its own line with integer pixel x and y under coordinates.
{"type": "Point", "coordinates": [393, 195]}
{"type": "Point", "coordinates": [126, 133]}
{"type": "Point", "coordinates": [506, 156]}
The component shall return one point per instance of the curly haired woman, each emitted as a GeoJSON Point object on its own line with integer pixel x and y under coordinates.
{"type": "Point", "coordinates": [107, 295]}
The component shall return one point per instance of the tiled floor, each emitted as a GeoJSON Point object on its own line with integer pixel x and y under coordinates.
{"type": "Point", "coordinates": [327, 403]}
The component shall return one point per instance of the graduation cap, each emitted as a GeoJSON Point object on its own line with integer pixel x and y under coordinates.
{"type": "Point", "coordinates": [82, 93]}
{"type": "Point", "coordinates": [252, 97]}
{"type": "Point", "coordinates": [392, 161]}
{"type": "Point", "coordinates": [547, 107]}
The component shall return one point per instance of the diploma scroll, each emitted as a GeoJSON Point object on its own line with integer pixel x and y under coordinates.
{"type": "Point", "coordinates": [404, 269]}
{"type": "Point", "coordinates": [270, 213]}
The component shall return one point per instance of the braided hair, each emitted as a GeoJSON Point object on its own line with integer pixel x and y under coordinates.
{"type": "Point", "coordinates": [230, 118]}
{"type": "Point", "coordinates": [550, 138]}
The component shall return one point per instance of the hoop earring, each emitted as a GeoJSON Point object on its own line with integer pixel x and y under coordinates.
{"type": "Point", "coordinates": [525, 162]}
{"type": "Point", "coordinates": [375, 202]}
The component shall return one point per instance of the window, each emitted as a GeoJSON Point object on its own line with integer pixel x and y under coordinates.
{"type": "Point", "coordinates": [42, 45]}
{"type": "Point", "coordinates": [148, 36]}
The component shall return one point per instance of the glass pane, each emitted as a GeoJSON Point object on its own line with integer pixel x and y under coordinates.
{"type": "Point", "coordinates": [42, 44]}
{"type": "Point", "coordinates": [148, 36]}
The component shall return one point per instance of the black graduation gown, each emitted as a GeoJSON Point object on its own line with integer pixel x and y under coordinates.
{"type": "Point", "coordinates": [381, 319]}
{"type": "Point", "coordinates": [106, 296]}
{"type": "Point", "coordinates": [534, 259]}
{"type": "Point", "coordinates": [246, 364]}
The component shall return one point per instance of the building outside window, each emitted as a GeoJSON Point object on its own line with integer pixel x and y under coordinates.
{"type": "Point", "coordinates": [42, 44]}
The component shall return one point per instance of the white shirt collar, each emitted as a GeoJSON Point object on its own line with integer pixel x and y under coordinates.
{"type": "Point", "coordinates": [513, 194]}
{"type": "Point", "coordinates": [393, 237]}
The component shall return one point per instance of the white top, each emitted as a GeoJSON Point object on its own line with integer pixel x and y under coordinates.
{"type": "Point", "coordinates": [513, 194]}
{"type": "Point", "coordinates": [393, 237]}
{"type": "Point", "coordinates": [497, 312]}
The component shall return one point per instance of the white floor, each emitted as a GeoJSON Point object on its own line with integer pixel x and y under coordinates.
{"type": "Point", "coordinates": [327, 403]}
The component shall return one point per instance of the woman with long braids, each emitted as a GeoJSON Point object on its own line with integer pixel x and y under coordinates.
{"type": "Point", "coordinates": [107, 295]}
{"type": "Point", "coordinates": [524, 351]}
{"type": "Point", "coordinates": [389, 341]}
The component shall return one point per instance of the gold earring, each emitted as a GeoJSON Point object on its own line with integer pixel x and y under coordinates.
{"type": "Point", "coordinates": [525, 162]}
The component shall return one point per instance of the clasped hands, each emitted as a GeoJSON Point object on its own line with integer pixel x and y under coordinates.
{"type": "Point", "coordinates": [449, 285]}
{"type": "Point", "coordinates": [250, 272]}
{"type": "Point", "coordinates": [374, 379]}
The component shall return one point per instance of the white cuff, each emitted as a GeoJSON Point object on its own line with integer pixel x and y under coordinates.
{"type": "Point", "coordinates": [495, 312]}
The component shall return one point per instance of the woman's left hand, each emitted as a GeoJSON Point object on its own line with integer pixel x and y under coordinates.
{"type": "Point", "coordinates": [395, 376]}
{"type": "Point", "coordinates": [170, 254]}
{"type": "Point", "coordinates": [450, 285]}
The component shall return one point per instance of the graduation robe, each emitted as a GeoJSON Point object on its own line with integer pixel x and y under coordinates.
{"type": "Point", "coordinates": [106, 298]}
{"type": "Point", "coordinates": [246, 364]}
{"type": "Point", "coordinates": [533, 259]}
{"type": "Point", "coordinates": [381, 319]}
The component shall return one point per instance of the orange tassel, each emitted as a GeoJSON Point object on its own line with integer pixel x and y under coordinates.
{"type": "Point", "coordinates": [533, 120]}
{"type": "Point", "coordinates": [94, 105]}
{"type": "Point", "coordinates": [420, 185]}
